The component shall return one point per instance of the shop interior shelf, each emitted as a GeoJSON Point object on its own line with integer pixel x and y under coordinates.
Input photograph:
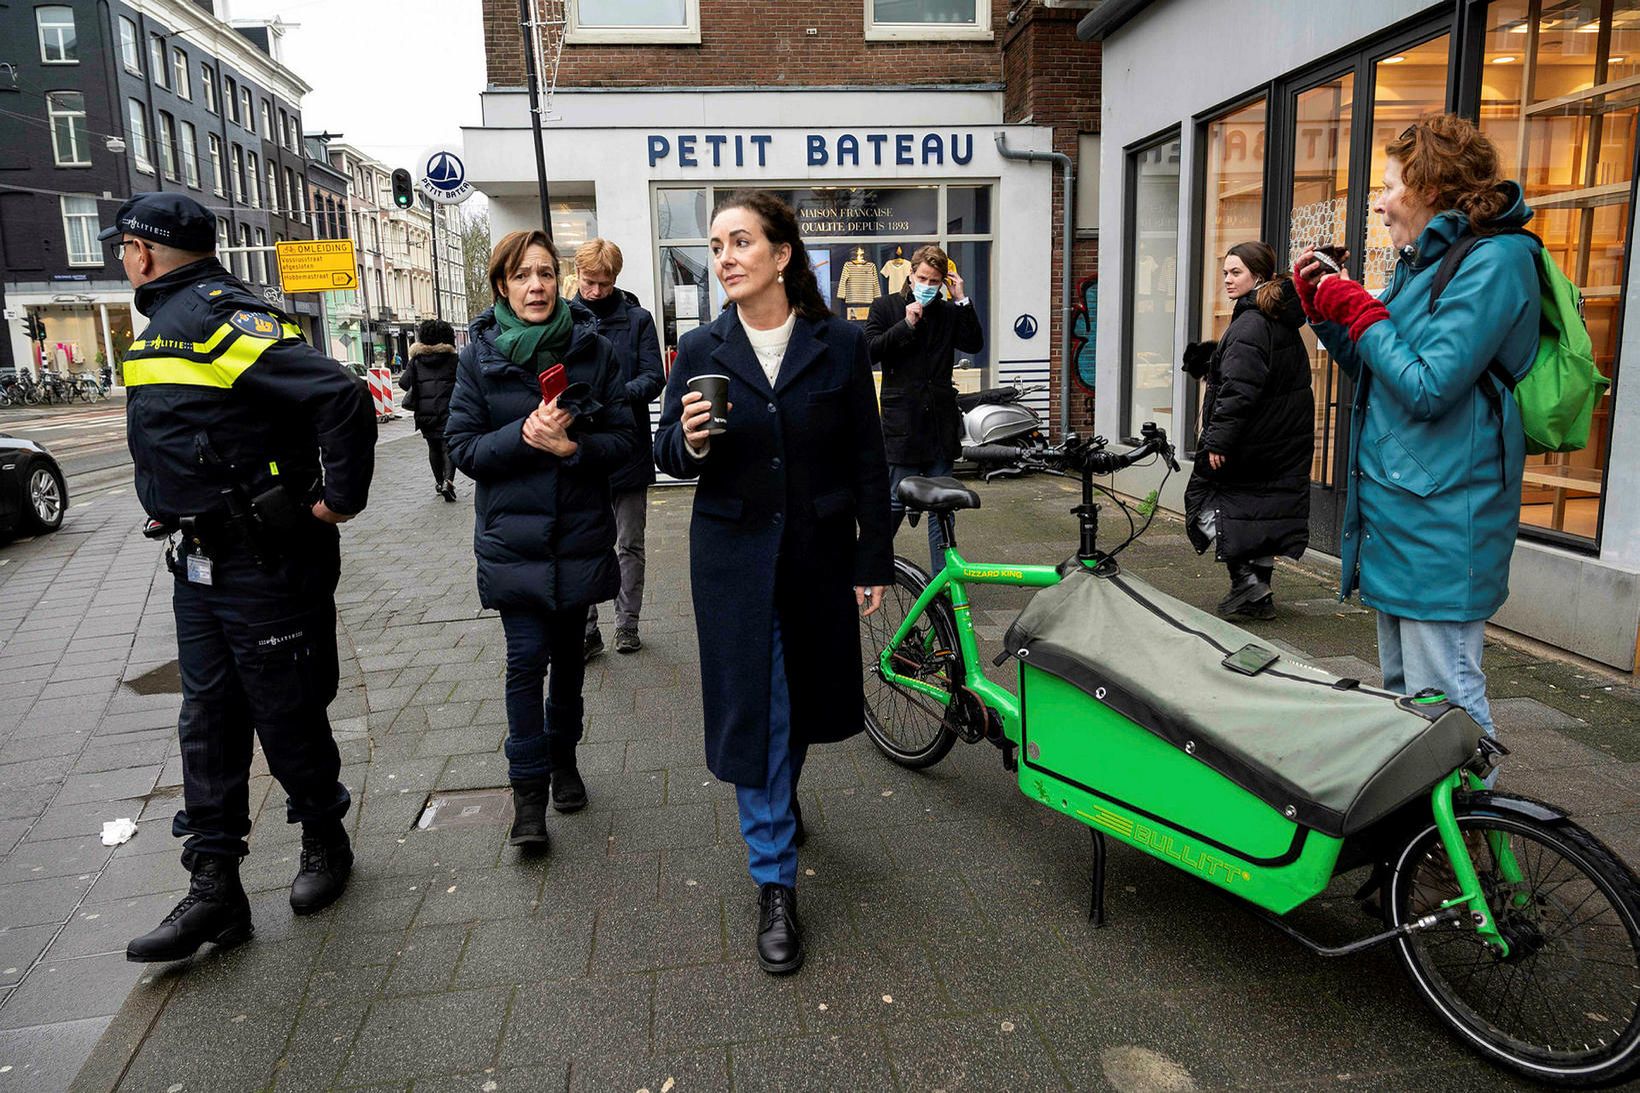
{"type": "Point", "coordinates": [1611, 194]}
{"type": "Point", "coordinates": [1600, 99]}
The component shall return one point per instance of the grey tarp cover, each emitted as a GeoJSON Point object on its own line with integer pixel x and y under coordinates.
{"type": "Point", "coordinates": [1341, 758]}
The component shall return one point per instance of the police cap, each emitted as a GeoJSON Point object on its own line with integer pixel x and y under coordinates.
{"type": "Point", "coordinates": [175, 220]}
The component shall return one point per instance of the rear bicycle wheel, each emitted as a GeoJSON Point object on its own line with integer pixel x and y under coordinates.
{"type": "Point", "coordinates": [908, 726]}
{"type": "Point", "coordinates": [1564, 1006]}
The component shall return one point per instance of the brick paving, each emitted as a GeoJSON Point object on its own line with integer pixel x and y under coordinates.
{"type": "Point", "coordinates": [946, 915]}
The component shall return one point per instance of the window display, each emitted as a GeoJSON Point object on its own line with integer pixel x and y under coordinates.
{"type": "Point", "coordinates": [1153, 261]}
{"type": "Point", "coordinates": [859, 238]}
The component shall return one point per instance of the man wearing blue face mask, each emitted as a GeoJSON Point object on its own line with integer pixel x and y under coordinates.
{"type": "Point", "coordinates": [915, 335]}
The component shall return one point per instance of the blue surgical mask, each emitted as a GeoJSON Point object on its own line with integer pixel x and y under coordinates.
{"type": "Point", "coordinates": [925, 293]}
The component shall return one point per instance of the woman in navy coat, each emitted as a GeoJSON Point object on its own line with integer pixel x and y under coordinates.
{"type": "Point", "coordinates": [790, 535]}
{"type": "Point", "coordinates": [543, 530]}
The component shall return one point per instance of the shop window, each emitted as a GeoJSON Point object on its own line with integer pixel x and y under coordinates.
{"type": "Point", "coordinates": [1560, 89]}
{"type": "Point", "coordinates": [860, 241]}
{"type": "Point", "coordinates": [130, 51]}
{"type": "Point", "coordinates": [574, 221]}
{"type": "Point", "coordinates": [1323, 120]}
{"type": "Point", "coordinates": [1405, 86]}
{"type": "Point", "coordinates": [80, 228]}
{"type": "Point", "coordinates": [137, 123]}
{"type": "Point", "coordinates": [945, 19]}
{"type": "Point", "coordinates": [70, 146]}
{"type": "Point", "coordinates": [1153, 275]}
{"type": "Point", "coordinates": [663, 22]}
{"type": "Point", "coordinates": [58, 45]}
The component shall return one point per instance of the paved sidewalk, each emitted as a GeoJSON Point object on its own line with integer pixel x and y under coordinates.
{"type": "Point", "coordinates": [946, 915]}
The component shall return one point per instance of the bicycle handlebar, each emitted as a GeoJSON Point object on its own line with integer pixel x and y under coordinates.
{"type": "Point", "coordinates": [992, 453]}
{"type": "Point", "coordinates": [1080, 455]}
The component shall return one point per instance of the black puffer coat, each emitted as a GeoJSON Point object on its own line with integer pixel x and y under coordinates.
{"type": "Point", "coordinates": [920, 419]}
{"type": "Point", "coordinates": [631, 330]}
{"type": "Point", "coordinates": [1259, 413]}
{"type": "Point", "coordinates": [543, 530]}
{"type": "Point", "coordinates": [429, 378]}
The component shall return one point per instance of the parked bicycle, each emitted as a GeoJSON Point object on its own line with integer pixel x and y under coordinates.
{"type": "Point", "coordinates": [88, 388]}
{"type": "Point", "coordinates": [1266, 777]}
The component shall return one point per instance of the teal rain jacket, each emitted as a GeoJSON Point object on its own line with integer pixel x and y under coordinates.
{"type": "Point", "coordinates": [1434, 476]}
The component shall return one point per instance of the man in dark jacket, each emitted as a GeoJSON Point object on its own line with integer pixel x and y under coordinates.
{"type": "Point", "coordinates": [254, 446]}
{"type": "Point", "coordinates": [914, 336]}
{"type": "Point", "coordinates": [428, 380]}
{"type": "Point", "coordinates": [631, 331]}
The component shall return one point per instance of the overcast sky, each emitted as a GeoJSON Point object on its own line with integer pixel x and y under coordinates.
{"type": "Point", "coordinates": [392, 76]}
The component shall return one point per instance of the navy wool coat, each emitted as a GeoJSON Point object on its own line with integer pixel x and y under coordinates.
{"type": "Point", "coordinates": [544, 533]}
{"type": "Point", "coordinates": [791, 512]}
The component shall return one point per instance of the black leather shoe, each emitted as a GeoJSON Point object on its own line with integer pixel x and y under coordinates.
{"type": "Point", "coordinates": [322, 876]}
{"type": "Point", "coordinates": [529, 815]}
{"type": "Point", "coordinates": [797, 814]}
{"type": "Point", "coordinates": [569, 793]}
{"type": "Point", "coordinates": [215, 909]}
{"type": "Point", "coordinates": [779, 936]}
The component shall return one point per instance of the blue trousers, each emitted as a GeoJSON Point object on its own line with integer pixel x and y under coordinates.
{"type": "Point", "coordinates": [766, 820]}
{"type": "Point", "coordinates": [540, 734]}
{"type": "Point", "coordinates": [897, 472]}
{"type": "Point", "coordinates": [1415, 654]}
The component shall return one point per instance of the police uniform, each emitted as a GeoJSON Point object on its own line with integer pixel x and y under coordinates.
{"type": "Point", "coordinates": [236, 427]}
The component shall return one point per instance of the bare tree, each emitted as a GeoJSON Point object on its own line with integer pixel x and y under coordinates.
{"type": "Point", "coordinates": [475, 251]}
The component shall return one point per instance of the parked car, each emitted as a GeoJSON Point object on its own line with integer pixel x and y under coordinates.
{"type": "Point", "coordinates": [33, 495]}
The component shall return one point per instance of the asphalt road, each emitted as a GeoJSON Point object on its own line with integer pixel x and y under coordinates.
{"type": "Point", "coordinates": [87, 440]}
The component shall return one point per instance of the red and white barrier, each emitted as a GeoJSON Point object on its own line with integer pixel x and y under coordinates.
{"type": "Point", "coordinates": [381, 391]}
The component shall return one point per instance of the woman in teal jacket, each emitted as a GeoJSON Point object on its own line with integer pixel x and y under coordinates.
{"type": "Point", "coordinates": [1436, 447]}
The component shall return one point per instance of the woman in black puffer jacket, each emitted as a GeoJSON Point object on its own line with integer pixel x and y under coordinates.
{"type": "Point", "coordinates": [544, 533]}
{"type": "Point", "coordinates": [428, 379]}
{"type": "Point", "coordinates": [1249, 493]}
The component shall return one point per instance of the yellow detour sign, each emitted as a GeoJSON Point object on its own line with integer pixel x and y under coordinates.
{"type": "Point", "coordinates": [317, 265]}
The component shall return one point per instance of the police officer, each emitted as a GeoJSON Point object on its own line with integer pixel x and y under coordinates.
{"type": "Point", "coordinates": [250, 447]}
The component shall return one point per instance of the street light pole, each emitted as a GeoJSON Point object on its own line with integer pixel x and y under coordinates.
{"type": "Point", "coordinates": [526, 19]}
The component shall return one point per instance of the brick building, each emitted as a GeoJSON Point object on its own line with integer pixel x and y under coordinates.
{"type": "Point", "coordinates": [885, 122]}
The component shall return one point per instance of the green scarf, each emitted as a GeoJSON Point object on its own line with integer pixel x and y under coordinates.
{"type": "Point", "coordinates": [534, 345]}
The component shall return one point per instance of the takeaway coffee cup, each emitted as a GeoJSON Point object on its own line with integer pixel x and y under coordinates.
{"type": "Point", "coordinates": [715, 388]}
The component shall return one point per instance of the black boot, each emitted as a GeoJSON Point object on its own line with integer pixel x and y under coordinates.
{"type": "Point", "coordinates": [1245, 588]}
{"type": "Point", "coordinates": [215, 909]}
{"type": "Point", "coordinates": [569, 793]}
{"type": "Point", "coordinates": [529, 814]}
{"type": "Point", "coordinates": [327, 860]}
{"type": "Point", "coordinates": [779, 937]}
{"type": "Point", "coordinates": [1265, 606]}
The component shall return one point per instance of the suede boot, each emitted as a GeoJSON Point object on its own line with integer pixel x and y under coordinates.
{"type": "Point", "coordinates": [779, 936]}
{"type": "Point", "coordinates": [529, 826]}
{"type": "Point", "coordinates": [569, 792]}
{"type": "Point", "coordinates": [215, 909]}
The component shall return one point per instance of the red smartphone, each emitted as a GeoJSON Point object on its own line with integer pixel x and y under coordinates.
{"type": "Point", "coordinates": [553, 383]}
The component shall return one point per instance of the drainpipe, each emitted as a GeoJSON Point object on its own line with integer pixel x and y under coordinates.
{"type": "Point", "coordinates": [1067, 234]}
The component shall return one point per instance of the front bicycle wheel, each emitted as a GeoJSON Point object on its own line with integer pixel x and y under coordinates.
{"type": "Point", "coordinates": [908, 726]}
{"type": "Point", "coordinates": [1563, 1007]}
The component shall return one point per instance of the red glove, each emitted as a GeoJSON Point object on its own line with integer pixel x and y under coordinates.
{"type": "Point", "coordinates": [1349, 305]}
{"type": "Point", "coordinates": [1306, 294]}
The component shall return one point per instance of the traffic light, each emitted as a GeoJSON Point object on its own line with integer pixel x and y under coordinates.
{"type": "Point", "coordinates": [403, 195]}
{"type": "Point", "coordinates": [36, 328]}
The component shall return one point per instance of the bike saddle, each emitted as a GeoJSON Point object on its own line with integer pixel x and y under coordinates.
{"type": "Point", "coordinates": [936, 495]}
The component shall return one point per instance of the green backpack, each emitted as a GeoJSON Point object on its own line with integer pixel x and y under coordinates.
{"type": "Point", "coordinates": [1557, 396]}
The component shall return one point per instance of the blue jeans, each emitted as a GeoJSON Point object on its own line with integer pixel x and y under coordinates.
{"type": "Point", "coordinates": [897, 472]}
{"type": "Point", "coordinates": [766, 819]}
{"type": "Point", "coordinates": [539, 735]}
{"type": "Point", "coordinates": [1445, 655]}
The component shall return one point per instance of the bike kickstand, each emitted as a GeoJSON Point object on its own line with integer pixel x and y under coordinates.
{"type": "Point", "coordinates": [1096, 906]}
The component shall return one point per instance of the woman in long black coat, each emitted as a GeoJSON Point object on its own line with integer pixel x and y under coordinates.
{"type": "Point", "coordinates": [790, 534]}
{"type": "Point", "coordinates": [428, 380]}
{"type": "Point", "coordinates": [1249, 493]}
{"type": "Point", "coordinates": [543, 530]}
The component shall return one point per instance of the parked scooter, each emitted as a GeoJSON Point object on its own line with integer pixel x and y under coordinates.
{"type": "Point", "coordinates": [998, 415]}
